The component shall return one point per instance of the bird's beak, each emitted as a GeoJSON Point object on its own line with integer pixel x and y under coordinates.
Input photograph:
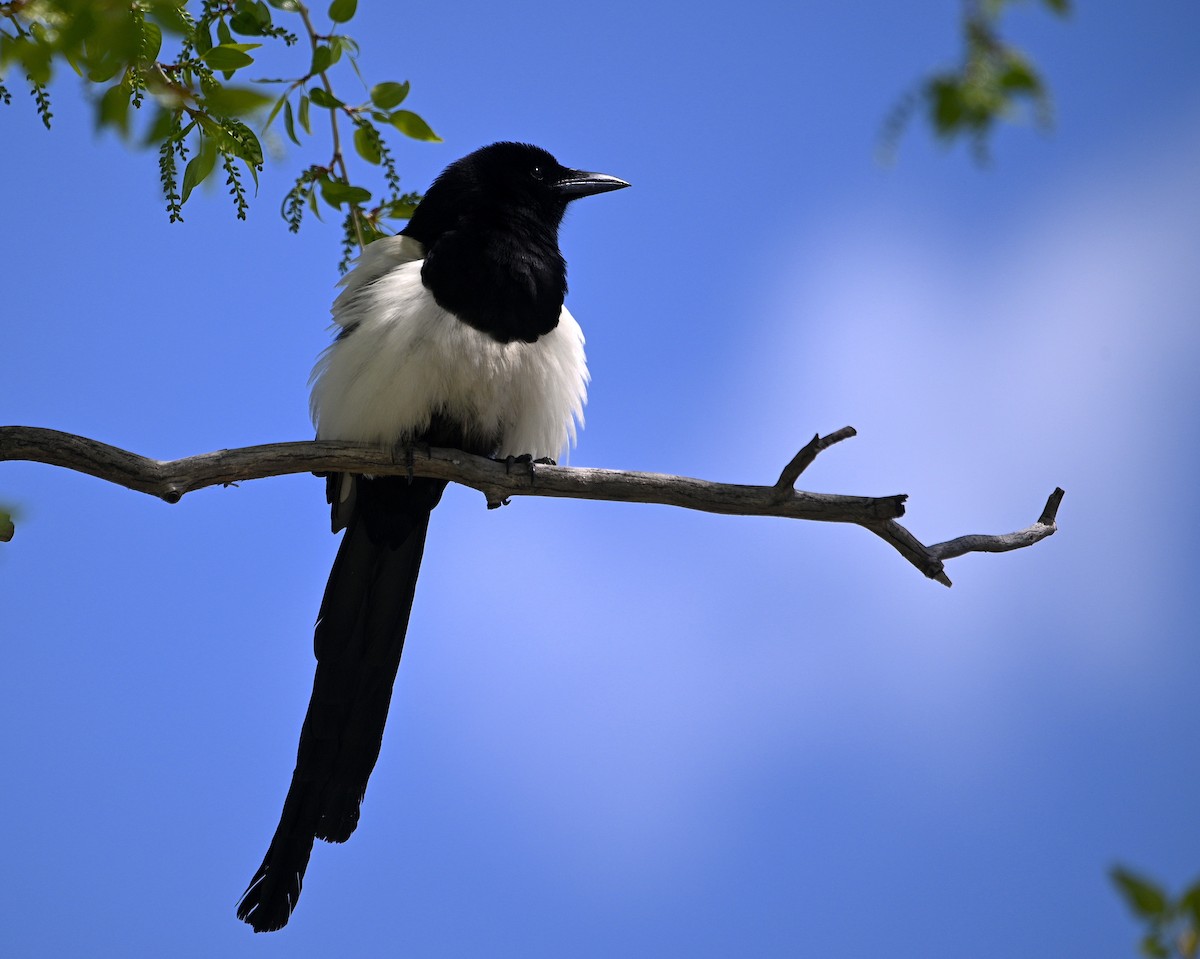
{"type": "Point", "coordinates": [576, 183]}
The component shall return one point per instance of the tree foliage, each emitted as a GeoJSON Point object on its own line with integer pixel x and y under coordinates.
{"type": "Point", "coordinates": [1172, 925]}
{"type": "Point", "coordinates": [991, 84]}
{"type": "Point", "coordinates": [187, 61]}
{"type": "Point", "coordinates": [186, 64]}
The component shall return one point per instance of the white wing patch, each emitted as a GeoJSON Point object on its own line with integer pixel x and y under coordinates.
{"type": "Point", "coordinates": [406, 359]}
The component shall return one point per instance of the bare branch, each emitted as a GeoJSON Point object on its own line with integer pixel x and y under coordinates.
{"type": "Point", "coordinates": [911, 549]}
{"type": "Point", "coordinates": [802, 460]}
{"type": "Point", "coordinates": [170, 480]}
{"type": "Point", "coordinates": [1002, 543]}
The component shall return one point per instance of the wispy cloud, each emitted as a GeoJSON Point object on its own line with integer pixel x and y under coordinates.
{"type": "Point", "coordinates": [982, 375]}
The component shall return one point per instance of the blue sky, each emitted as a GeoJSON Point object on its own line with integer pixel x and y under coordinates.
{"type": "Point", "coordinates": [618, 729]}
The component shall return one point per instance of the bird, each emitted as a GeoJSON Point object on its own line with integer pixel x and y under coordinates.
{"type": "Point", "coordinates": [451, 333]}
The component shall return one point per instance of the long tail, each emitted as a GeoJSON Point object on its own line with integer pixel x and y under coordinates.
{"type": "Point", "coordinates": [358, 641]}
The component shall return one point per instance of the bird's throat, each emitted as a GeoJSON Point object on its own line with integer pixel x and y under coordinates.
{"type": "Point", "coordinates": [508, 285]}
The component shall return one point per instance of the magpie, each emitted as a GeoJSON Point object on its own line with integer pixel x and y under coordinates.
{"type": "Point", "coordinates": [452, 333]}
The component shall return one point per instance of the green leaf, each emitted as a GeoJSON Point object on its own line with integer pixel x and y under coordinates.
{"type": "Point", "coordinates": [340, 11]}
{"type": "Point", "coordinates": [70, 55]}
{"type": "Point", "coordinates": [1189, 902]}
{"type": "Point", "coordinates": [1019, 77]}
{"type": "Point", "coordinates": [230, 56]}
{"type": "Point", "coordinates": [235, 101]}
{"type": "Point", "coordinates": [946, 104]}
{"type": "Point", "coordinates": [388, 96]}
{"type": "Point", "coordinates": [288, 125]}
{"type": "Point", "coordinates": [223, 34]}
{"type": "Point", "coordinates": [113, 110]}
{"type": "Point", "coordinates": [288, 6]}
{"type": "Point", "coordinates": [198, 169]}
{"type": "Point", "coordinates": [201, 38]}
{"type": "Point", "coordinates": [253, 168]}
{"type": "Point", "coordinates": [1141, 895]}
{"type": "Point", "coordinates": [210, 126]}
{"type": "Point", "coordinates": [322, 98]}
{"type": "Point", "coordinates": [6, 526]}
{"type": "Point", "coordinates": [242, 47]}
{"type": "Point", "coordinates": [335, 192]}
{"type": "Point", "coordinates": [370, 233]}
{"type": "Point", "coordinates": [182, 133]}
{"type": "Point", "coordinates": [100, 69]}
{"type": "Point", "coordinates": [8, 48]}
{"type": "Point", "coordinates": [246, 24]}
{"type": "Point", "coordinates": [322, 59]}
{"type": "Point", "coordinates": [250, 18]}
{"type": "Point", "coordinates": [275, 109]}
{"type": "Point", "coordinates": [151, 40]}
{"type": "Point", "coordinates": [399, 209]}
{"type": "Point", "coordinates": [413, 126]}
{"type": "Point", "coordinates": [367, 145]}
{"type": "Point", "coordinates": [167, 14]}
{"type": "Point", "coordinates": [34, 56]}
{"type": "Point", "coordinates": [1152, 947]}
{"type": "Point", "coordinates": [302, 115]}
{"type": "Point", "coordinates": [243, 143]}
{"type": "Point", "coordinates": [340, 43]}
{"type": "Point", "coordinates": [161, 126]}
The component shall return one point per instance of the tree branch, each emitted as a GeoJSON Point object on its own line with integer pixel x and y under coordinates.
{"type": "Point", "coordinates": [498, 481]}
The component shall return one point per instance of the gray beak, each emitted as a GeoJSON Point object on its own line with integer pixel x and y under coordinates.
{"type": "Point", "coordinates": [576, 183]}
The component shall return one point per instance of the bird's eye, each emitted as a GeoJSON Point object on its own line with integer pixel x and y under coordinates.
{"type": "Point", "coordinates": [538, 173]}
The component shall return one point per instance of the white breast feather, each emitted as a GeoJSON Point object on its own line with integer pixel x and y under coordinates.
{"type": "Point", "coordinates": [407, 359]}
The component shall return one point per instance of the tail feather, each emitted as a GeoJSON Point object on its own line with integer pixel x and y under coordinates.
{"type": "Point", "coordinates": [358, 642]}
{"type": "Point", "coordinates": [362, 731]}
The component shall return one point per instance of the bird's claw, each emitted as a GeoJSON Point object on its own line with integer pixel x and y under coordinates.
{"type": "Point", "coordinates": [510, 461]}
{"type": "Point", "coordinates": [528, 460]}
{"type": "Point", "coordinates": [407, 453]}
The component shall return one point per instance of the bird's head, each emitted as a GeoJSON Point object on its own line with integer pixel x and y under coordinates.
{"type": "Point", "coordinates": [504, 181]}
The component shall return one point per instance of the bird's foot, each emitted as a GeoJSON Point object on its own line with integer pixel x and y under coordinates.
{"type": "Point", "coordinates": [528, 460]}
{"type": "Point", "coordinates": [525, 459]}
{"type": "Point", "coordinates": [510, 461]}
{"type": "Point", "coordinates": [406, 453]}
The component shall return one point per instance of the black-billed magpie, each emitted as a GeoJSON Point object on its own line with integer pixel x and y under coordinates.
{"type": "Point", "coordinates": [452, 333]}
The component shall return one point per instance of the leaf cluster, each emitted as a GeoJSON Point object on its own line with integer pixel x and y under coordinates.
{"type": "Point", "coordinates": [330, 183]}
{"type": "Point", "coordinates": [1172, 925]}
{"type": "Point", "coordinates": [991, 83]}
{"type": "Point", "coordinates": [203, 112]}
